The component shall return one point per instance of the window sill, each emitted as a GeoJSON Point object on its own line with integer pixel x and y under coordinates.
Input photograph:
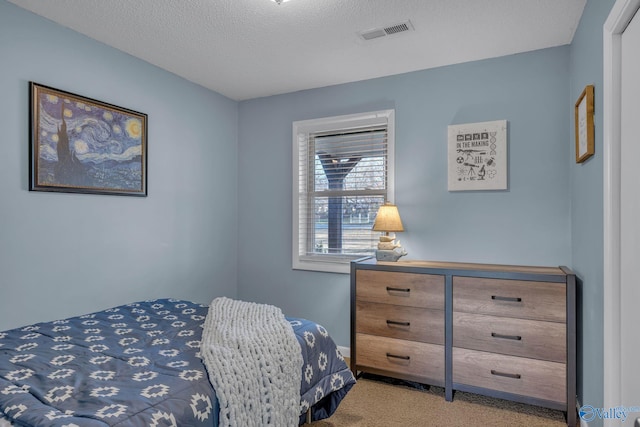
{"type": "Point", "coordinates": [323, 264]}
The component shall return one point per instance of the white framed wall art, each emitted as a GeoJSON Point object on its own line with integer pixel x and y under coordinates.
{"type": "Point", "coordinates": [477, 156]}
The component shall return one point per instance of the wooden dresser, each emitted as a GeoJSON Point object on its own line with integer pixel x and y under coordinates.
{"type": "Point", "coordinates": [400, 324]}
{"type": "Point", "coordinates": [498, 330]}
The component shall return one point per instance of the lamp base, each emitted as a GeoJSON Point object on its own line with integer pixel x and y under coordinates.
{"type": "Point", "coordinates": [389, 255]}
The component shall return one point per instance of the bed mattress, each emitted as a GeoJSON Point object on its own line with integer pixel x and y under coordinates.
{"type": "Point", "coordinates": [139, 365]}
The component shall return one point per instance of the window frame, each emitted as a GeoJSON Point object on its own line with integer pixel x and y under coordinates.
{"type": "Point", "coordinates": [328, 262]}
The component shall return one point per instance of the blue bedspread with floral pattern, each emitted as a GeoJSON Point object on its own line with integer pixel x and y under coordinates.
{"type": "Point", "coordinates": [139, 365]}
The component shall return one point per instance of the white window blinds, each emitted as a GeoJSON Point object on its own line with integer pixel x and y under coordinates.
{"type": "Point", "coordinates": [342, 174]}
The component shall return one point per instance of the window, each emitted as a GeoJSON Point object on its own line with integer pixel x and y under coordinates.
{"type": "Point", "coordinates": [342, 173]}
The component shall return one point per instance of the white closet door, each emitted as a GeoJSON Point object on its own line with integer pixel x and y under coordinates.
{"type": "Point", "coordinates": [630, 215]}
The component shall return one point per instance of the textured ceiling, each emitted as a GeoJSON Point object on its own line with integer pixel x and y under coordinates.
{"type": "Point", "coordinates": [246, 49]}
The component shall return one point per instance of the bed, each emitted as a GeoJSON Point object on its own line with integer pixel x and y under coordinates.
{"type": "Point", "coordinates": [140, 365]}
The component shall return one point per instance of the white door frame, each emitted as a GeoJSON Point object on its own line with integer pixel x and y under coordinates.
{"type": "Point", "coordinates": [620, 15]}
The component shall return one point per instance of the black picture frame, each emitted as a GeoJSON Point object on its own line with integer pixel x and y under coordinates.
{"type": "Point", "coordinates": [82, 145]}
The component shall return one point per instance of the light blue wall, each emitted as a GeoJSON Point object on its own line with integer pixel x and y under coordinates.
{"type": "Point", "coordinates": [528, 224]}
{"type": "Point", "coordinates": [586, 65]}
{"type": "Point", "coordinates": [67, 254]}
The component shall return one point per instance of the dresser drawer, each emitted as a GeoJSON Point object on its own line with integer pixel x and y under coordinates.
{"type": "Point", "coordinates": [517, 337]}
{"type": "Point", "coordinates": [510, 298]}
{"type": "Point", "coordinates": [407, 289]}
{"type": "Point", "coordinates": [407, 358]}
{"type": "Point", "coordinates": [395, 321]}
{"type": "Point", "coordinates": [510, 374]}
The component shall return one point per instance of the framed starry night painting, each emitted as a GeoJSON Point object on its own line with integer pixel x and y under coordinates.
{"type": "Point", "coordinates": [80, 145]}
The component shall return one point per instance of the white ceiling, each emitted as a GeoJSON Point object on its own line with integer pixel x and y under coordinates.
{"type": "Point", "coordinates": [246, 49]}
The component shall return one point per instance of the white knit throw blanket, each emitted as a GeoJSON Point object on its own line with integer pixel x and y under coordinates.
{"type": "Point", "coordinates": [254, 363]}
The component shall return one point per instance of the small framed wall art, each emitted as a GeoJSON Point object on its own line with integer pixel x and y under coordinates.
{"type": "Point", "coordinates": [584, 125]}
{"type": "Point", "coordinates": [80, 145]}
{"type": "Point", "coordinates": [477, 156]}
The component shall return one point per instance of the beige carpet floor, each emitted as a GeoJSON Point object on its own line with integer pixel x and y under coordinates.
{"type": "Point", "coordinates": [372, 403]}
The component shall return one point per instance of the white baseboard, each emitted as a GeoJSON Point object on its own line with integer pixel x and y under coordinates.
{"type": "Point", "coordinates": [583, 423]}
{"type": "Point", "coordinates": [345, 351]}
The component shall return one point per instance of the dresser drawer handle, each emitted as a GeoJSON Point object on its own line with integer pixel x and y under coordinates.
{"type": "Point", "coordinates": [505, 374]}
{"type": "Point", "coordinates": [395, 356]}
{"type": "Point", "coordinates": [396, 323]}
{"type": "Point", "coordinates": [391, 289]}
{"type": "Point", "coordinates": [506, 337]}
{"type": "Point", "coordinates": [510, 299]}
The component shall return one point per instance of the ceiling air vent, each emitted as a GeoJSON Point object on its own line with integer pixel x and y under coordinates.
{"type": "Point", "coordinates": [386, 31]}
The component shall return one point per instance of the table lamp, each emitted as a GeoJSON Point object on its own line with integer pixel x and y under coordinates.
{"type": "Point", "coordinates": [388, 220]}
